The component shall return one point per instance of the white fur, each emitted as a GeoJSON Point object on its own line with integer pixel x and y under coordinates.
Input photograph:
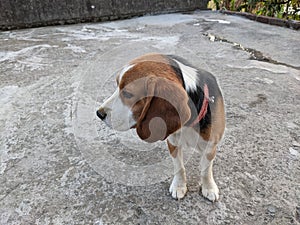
{"type": "Point", "coordinates": [210, 189]}
{"type": "Point", "coordinates": [178, 187]}
{"type": "Point", "coordinates": [187, 138]}
{"type": "Point", "coordinates": [119, 116]}
{"type": "Point", "coordinates": [190, 76]}
{"type": "Point", "coordinates": [124, 70]}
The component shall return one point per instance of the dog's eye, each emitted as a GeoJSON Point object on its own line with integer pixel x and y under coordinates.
{"type": "Point", "coordinates": [127, 94]}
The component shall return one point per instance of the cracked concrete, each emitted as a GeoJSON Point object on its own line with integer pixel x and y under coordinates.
{"type": "Point", "coordinates": [254, 54]}
{"type": "Point", "coordinates": [60, 165]}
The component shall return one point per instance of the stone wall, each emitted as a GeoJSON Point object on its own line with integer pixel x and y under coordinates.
{"type": "Point", "coordinates": [32, 13]}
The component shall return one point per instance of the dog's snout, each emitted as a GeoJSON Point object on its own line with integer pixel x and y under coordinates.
{"type": "Point", "coordinates": [101, 114]}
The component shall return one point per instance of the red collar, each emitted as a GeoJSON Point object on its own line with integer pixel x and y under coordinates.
{"type": "Point", "coordinates": [204, 107]}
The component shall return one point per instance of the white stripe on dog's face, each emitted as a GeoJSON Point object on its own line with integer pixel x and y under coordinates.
{"type": "Point", "coordinates": [124, 70]}
{"type": "Point", "coordinates": [119, 116]}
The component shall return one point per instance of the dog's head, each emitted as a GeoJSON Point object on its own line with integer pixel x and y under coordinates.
{"type": "Point", "coordinates": [150, 97]}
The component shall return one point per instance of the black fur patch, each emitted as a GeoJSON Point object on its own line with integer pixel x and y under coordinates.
{"type": "Point", "coordinates": [176, 68]}
{"type": "Point", "coordinates": [197, 97]}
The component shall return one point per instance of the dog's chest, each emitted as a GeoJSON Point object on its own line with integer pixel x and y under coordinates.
{"type": "Point", "coordinates": [187, 137]}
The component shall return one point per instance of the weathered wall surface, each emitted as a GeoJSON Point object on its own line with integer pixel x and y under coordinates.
{"type": "Point", "coordinates": [32, 13]}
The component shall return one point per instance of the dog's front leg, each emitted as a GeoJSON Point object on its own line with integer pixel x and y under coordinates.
{"type": "Point", "coordinates": [178, 186]}
{"type": "Point", "coordinates": [209, 187]}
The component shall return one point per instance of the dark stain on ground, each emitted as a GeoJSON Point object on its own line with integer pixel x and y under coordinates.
{"type": "Point", "coordinates": [260, 99]}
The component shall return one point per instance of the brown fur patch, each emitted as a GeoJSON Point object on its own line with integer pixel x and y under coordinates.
{"type": "Point", "coordinates": [172, 149]}
{"type": "Point", "coordinates": [214, 132]}
{"type": "Point", "coordinates": [153, 57]}
{"type": "Point", "coordinates": [218, 121]}
{"type": "Point", "coordinates": [211, 155]}
{"type": "Point", "coordinates": [167, 112]}
{"type": "Point", "coordinates": [149, 65]}
{"type": "Point", "coordinates": [205, 133]}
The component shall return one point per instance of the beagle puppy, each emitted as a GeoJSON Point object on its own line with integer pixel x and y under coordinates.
{"type": "Point", "coordinates": [165, 98]}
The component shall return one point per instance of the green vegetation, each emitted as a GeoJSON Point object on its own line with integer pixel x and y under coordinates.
{"type": "Point", "coordinates": [284, 9]}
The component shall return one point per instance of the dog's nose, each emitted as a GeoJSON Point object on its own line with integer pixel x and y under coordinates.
{"type": "Point", "coordinates": [101, 114]}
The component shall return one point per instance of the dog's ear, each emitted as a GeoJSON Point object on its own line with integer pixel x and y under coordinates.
{"type": "Point", "coordinates": [165, 111]}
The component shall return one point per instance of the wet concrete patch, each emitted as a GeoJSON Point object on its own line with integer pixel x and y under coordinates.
{"type": "Point", "coordinates": [260, 99]}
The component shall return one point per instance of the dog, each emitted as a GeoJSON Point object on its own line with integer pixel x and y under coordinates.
{"type": "Point", "coordinates": [163, 97]}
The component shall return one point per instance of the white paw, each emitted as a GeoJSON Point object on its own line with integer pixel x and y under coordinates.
{"type": "Point", "coordinates": [211, 191]}
{"type": "Point", "coordinates": [178, 188]}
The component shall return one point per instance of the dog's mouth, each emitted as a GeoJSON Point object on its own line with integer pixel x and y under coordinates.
{"type": "Point", "coordinates": [133, 127]}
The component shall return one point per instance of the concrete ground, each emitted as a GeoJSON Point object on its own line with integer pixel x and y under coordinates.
{"type": "Point", "coordinates": [60, 165]}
